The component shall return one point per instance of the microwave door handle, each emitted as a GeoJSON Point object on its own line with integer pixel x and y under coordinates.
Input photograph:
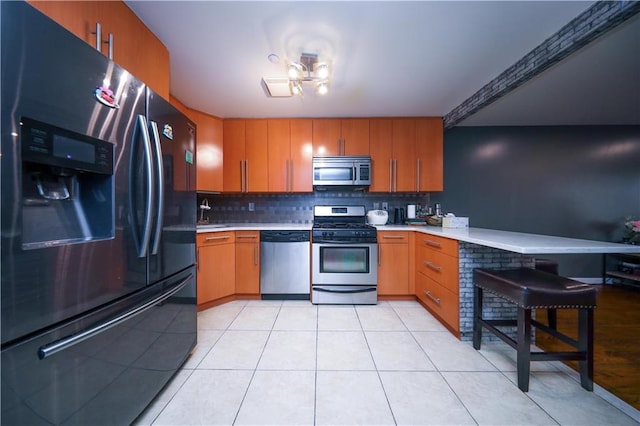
{"type": "Point", "coordinates": [354, 175]}
{"type": "Point", "coordinates": [159, 189]}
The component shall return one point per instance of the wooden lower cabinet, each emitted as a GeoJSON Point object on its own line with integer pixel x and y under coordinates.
{"type": "Point", "coordinates": [216, 259]}
{"type": "Point", "coordinates": [440, 301]}
{"type": "Point", "coordinates": [247, 263]}
{"type": "Point", "coordinates": [393, 263]}
{"type": "Point", "coordinates": [437, 278]}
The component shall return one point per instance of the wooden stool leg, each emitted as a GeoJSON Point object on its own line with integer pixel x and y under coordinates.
{"type": "Point", "coordinates": [585, 344]}
{"type": "Point", "coordinates": [477, 316]}
{"type": "Point", "coordinates": [524, 348]}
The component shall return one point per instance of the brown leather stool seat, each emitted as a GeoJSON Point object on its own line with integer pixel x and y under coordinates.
{"type": "Point", "coordinates": [531, 289]}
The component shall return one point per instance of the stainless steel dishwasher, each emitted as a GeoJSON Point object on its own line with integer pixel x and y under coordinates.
{"type": "Point", "coordinates": [285, 264]}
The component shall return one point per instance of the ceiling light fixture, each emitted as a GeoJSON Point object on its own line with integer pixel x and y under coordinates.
{"type": "Point", "coordinates": [307, 70]}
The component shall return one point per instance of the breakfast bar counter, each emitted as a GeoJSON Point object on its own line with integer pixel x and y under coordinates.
{"type": "Point", "coordinates": [519, 242]}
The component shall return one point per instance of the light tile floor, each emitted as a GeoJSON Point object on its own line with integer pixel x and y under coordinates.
{"type": "Point", "coordinates": [294, 363]}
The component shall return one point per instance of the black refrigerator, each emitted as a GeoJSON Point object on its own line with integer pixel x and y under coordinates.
{"type": "Point", "coordinates": [98, 222]}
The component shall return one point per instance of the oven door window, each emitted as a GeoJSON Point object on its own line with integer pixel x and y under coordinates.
{"type": "Point", "coordinates": [344, 260]}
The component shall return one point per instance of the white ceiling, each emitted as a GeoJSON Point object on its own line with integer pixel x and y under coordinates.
{"type": "Point", "coordinates": [392, 58]}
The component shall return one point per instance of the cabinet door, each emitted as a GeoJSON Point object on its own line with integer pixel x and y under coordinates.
{"type": "Point", "coordinates": [257, 161]}
{"type": "Point", "coordinates": [216, 272]}
{"type": "Point", "coordinates": [326, 136]}
{"type": "Point", "coordinates": [381, 150]}
{"type": "Point", "coordinates": [79, 17]}
{"type": "Point", "coordinates": [279, 156]}
{"type": "Point", "coordinates": [404, 155]}
{"type": "Point", "coordinates": [301, 136]}
{"type": "Point", "coordinates": [234, 155]}
{"type": "Point", "coordinates": [355, 136]}
{"type": "Point", "coordinates": [208, 151]}
{"type": "Point", "coordinates": [393, 263]}
{"type": "Point", "coordinates": [135, 47]}
{"type": "Point", "coordinates": [247, 262]}
{"type": "Point", "coordinates": [429, 153]}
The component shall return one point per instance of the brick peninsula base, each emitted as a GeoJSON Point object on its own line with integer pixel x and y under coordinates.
{"type": "Point", "coordinates": [473, 256]}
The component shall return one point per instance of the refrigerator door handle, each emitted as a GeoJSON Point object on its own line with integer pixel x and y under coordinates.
{"type": "Point", "coordinates": [66, 342]}
{"type": "Point", "coordinates": [142, 243]}
{"type": "Point", "coordinates": [159, 189]}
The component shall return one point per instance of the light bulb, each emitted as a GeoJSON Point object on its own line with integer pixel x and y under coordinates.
{"type": "Point", "coordinates": [322, 71]}
{"type": "Point", "coordinates": [295, 71]}
{"type": "Point", "coordinates": [322, 88]}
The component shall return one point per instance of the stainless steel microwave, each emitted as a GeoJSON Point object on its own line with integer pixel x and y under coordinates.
{"type": "Point", "coordinates": [346, 173]}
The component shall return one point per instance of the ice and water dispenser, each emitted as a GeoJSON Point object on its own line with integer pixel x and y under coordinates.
{"type": "Point", "coordinates": [67, 187]}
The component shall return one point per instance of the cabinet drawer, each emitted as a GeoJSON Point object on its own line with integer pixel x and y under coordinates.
{"type": "Point", "coordinates": [393, 237]}
{"type": "Point", "coordinates": [444, 245]}
{"type": "Point", "coordinates": [440, 267]}
{"type": "Point", "coordinates": [440, 301]}
{"type": "Point", "coordinates": [213, 238]}
{"type": "Point", "coordinates": [247, 236]}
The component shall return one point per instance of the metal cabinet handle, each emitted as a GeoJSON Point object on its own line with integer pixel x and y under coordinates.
{"type": "Point", "coordinates": [246, 236]}
{"type": "Point", "coordinates": [379, 256]}
{"type": "Point", "coordinates": [432, 243]}
{"type": "Point", "coordinates": [393, 237]}
{"type": "Point", "coordinates": [246, 172]}
{"type": "Point", "coordinates": [432, 266]}
{"type": "Point", "coordinates": [109, 41]}
{"type": "Point", "coordinates": [395, 175]}
{"type": "Point", "coordinates": [432, 297]}
{"type": "Point", "coordinates": [418, 176]}
{"type": "Point", "coordinates": [216, 238]}
{"type": "Point", "coordinates": [198, 259]}
{"type": "Point", "coordinates": [98, 33]}
{"type": "Point", "coordinates": [241, 175]}
{"type": "Point", "coordinates": [287, 176]}
{"type": "Point", "coordinates": [255, 255]}
{"type": "Point", "coordinates": [390, 174]}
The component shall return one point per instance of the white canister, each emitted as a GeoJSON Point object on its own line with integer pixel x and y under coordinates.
{"type": "Point", "coordinates": [411, 211]}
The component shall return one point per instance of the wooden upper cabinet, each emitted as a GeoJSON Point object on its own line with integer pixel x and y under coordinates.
{"type": "Point", "coordinates": [279, 155]}
{"type": "Point", "coordinates": [355, 136]}
{"type": "Point", "coordinates": [332, 136]}
{"type": "Point", "coordinates": [208, 152]}
{"type": "Point", "coordinates": [135, 47]}
{"type": "Point", "coordinates": [256, 139]}
{"type": "Point", "coordinates": [404, 155]}
{"type": "Point", "coordinates": [209, 173]}
{"type": "Point", "coordinates": [301, 138]}
{"type": "Point", "coordinates": [234, 155]}
{"type": "Point", "coordinates": [381, 150]}
{"type": "Point", "coordinates": [429, 152]}
{"type": "Point", "coordinates": [245, 155]}
{"type": "Point", "coordinates": [326, 136]}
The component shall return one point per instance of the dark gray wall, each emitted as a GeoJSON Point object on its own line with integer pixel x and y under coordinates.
{"type": "Point", "coordinates": [572, 181]}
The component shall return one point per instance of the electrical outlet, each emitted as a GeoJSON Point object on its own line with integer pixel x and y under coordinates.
{"type": "Point", "coordinates": [252, 207]}
{"type": "Point", "coordinates": [376, 206]}
{"type": "Point", "coordinates": [385, 206]}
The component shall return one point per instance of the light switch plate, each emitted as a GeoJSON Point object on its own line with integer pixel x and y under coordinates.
{"type": "Point", "coordinates": [252, 207]}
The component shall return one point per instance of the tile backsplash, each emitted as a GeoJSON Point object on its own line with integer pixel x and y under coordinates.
{"type": "Point", "coordinates": [294, 208]}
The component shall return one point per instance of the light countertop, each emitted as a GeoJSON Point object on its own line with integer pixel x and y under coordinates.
{"type": "Point", "coordinates": [254, 226]}
{"type": "Point", "coordinates": [516, 242]}
{"type": "Point", "coordinates": [520, 242]}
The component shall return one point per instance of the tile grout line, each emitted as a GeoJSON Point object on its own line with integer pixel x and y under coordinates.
{"type": "Point", "coordinates": [255, 369]}
{"type": "Point", "coordinates": [375, 365]}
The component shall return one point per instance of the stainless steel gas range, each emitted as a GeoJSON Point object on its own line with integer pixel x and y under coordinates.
{"type": "Point", "coordinates": [344, 260]}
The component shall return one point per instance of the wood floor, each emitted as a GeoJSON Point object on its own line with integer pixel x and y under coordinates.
{"type": "Point", "coordinates": [616, 341]}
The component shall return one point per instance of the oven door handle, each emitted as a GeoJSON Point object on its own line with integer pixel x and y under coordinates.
{"type": "Point", "coordinates": [359, 290]}
{"type": "Point", "coordinates": [334, 242]}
